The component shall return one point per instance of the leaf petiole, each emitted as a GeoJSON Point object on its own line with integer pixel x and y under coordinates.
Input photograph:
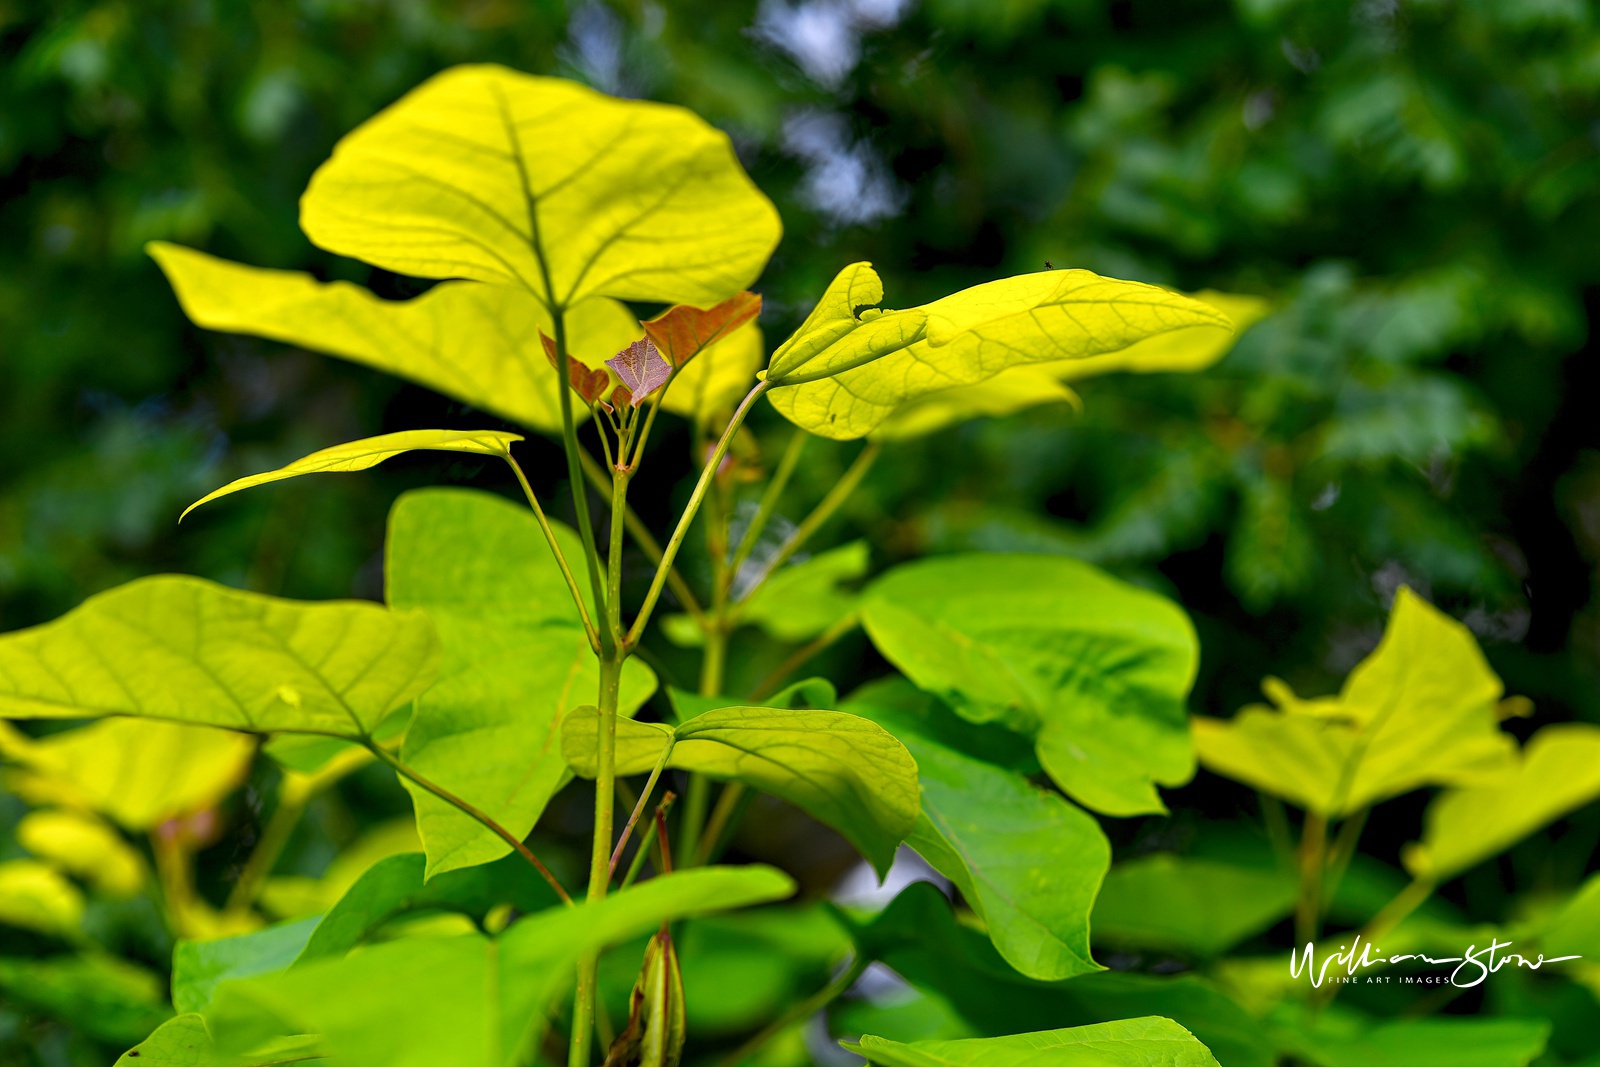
{"type": "Point", "coordinates": [561, 560]}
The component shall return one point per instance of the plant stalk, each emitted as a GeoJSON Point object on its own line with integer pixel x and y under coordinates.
{"type": "Point", "coordinates": [555, 548]}
{"type": "Point", "coordinates": [1313, 861]}
{"type": "Point", "coordinates": [821, 513]}
{"type": "Point", "coordinates": [569, 442]}
{"type": "Point", "coordinates": [644, 539]}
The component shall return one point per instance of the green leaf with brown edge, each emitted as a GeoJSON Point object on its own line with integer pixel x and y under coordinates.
{"type": "Point", "coordinates": [1148, 1042]}
{"type": "Point", "coordinates": [184, 649]}
{"type": "Point", "coordinates": [1093, 669]}
{"type": "Point", "coordinates": [371, 451]}
{"type": "Point", "coordinates": [1558, 772]}
{"type": "Point", "coordinates": [846, 370]}
{"type": "Point", "coordinates": [1420, 710]}
{"type": "Point", "coordinates": [843, 770]}
{"type": "Point", "coordinates": [485, 173]}
{"type": "Point", "coordinates": [476, 343]}
{"type": "Point", "coordinates": [515, 660]}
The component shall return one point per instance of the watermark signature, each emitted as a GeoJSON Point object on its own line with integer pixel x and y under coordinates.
{"type": "Point", "coordinates": [1471, 968]}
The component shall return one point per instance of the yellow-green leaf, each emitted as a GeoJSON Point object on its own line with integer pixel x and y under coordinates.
{"type": "Point", "coordinates": [845, 770]}
{"type": "Point", "coordinates": [1420, 710]}
{"type": "Point", "coordinates": [37, 896]}
{"type": "Point", "coordinates": [85, 847]}
{"type": "Point", "coordinates": [488, 174]}
{"type": "Point", "coordinates": [476, 343]}
{"type": "Point", "coordinates": [1192, 348]}
{"type": "Point", "coordinates": [1146, 1042]}
{"type": "Point", "coordinates": [137, 772]}
{"type": "Point", "coordinates": [1559, 772]}
{"type": "Point", "coordinates": [1006, 393]}
{"type": "Point", "coordinates": [846, 370]}
{"type": "Point", "coordinates": [188, 650]}
{"type": "Point", "coordinates": [371, 451]}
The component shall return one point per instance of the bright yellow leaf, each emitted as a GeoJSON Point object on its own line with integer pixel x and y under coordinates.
{"type": "Point", "coordinates": [1191, 349]}
{"type": "Point", "coordinates": [488, 174]}
{"type": "Point", "coordinates": [371, 451]}
{"type": "Point", "coordinates": [1006, 393]}
{"type": "Point", "coordinates": [37, 896]}
{"type": "Point", "coordinates": [84, 846]}
{"type": "Point", "coordinates": [476, 343]}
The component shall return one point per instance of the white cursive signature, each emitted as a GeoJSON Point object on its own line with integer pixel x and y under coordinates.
{"type": "Point", "coordinates": [1471, 968]}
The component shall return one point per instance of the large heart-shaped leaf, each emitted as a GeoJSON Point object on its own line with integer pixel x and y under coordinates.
{"type": "Point", "coordinates": [371, 451]}
{"type": "Point", "coordinates": [1147, 1042]}
{"type": "Point", "coordinates": [488, 174]}
{"type": "Point", "coordinates": [467, 1001]}
{"type": "Point", "coordinates": [1559, 771]}
{"type": "Point", "coordinates": [476, 343]}
{"type": "Point", "coordinates": [188, 650]}
{"type": "Point", "coordinates": [1420, 710]}
{"type": "Point", "coordinates": [1095, 670]}
{"type": "Point", "coordinates": [1028, 862]}
{"type": "Point", "coordinates": [515, 659]}
{"type": "Point", "coordinates": [138, 772]}
{"type": "Point", "coordinates": [846, 369]}
{"type": "Point", "coordinates": [844, 770]}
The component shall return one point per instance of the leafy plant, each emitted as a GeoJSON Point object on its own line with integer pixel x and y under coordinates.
{"type": "Point", "coordinates": [509, 657]}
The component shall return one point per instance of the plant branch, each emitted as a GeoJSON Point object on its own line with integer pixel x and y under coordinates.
{"type": "Point", "coordinates": [471, 812]}
{"type": "Point", "coordinates": [717, 825]}
{"type": "Point", "coordinates": [689, 512]}
{"type": "Point", "coordinates": [643, 850]}
{"type": "Point", "coordinates": [769, 502]}
{"type": "Point", "coordinates": [822, 513]}
{"type": "Point", "coordinates": [569, 443]}
{"type": "Point", "coordinates": [561, 560]}
{"type": "Point", "coordinates": [1313, 861]}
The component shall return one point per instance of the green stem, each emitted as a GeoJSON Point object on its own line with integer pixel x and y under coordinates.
{"type": "Point", "coordinates": [676, 541]}
{"type": "Point", "coordinates": [769, 501]}
{"type": "Point", "coordinates": [798, 1013]}
{"type": "Point", "coordinates": [569, 442]}
{"type": "Point", "coordinates": [698, 798]}
{"type": "Point", "coordinates": [721, 815]}
{"type": "Point", "coordinates": [1277, 824]}
{"type": "Point", "coordinates": [1344, 848]}
{"type": "Point", "coordinates": [471, 812]}
{"type": "Point", "coordinates": [561, 560]}
{"type": "Point", "coordinates": [644, 539]}
{"type": "Point", "coordinates": [649, 838]}
{"type": "Point", "coordinates": [1313, 861]}
{"type": "Point", "coordinates": [798, 658]}
{"type": "Point", "coordinates": [638, 807]}
{"type": "Point", "coordinates": [822, 513]}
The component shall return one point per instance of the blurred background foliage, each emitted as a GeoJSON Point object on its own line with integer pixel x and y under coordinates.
{"type": "Point", "coordinates": [1411, 183]}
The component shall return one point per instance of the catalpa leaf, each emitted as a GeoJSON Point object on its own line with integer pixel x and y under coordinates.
{"type": "Point", "coordinates": [371, 451]}
{"type": "Point", "coordinates": [36, 896]}
{"type": "Point", "coordinates": [488, 174]}
{"type": "Point", "coordinates": [1028, 861]}
{"type": "Point", "coordinates": [1420, 710]}
{"type": "Point", "coordinates": [846, 369]}
{"type": "Point", "coordinates": [138, 772]}
{"type": "Point", "coordinates": [843, 770]}
{"type": "Point", "coordinates": [85, 847]}
{"type": "Point", "coordinates": [641, 370]}
{"type": "Point", "coordinates": [1094, 670]}
{"type": "Point", "coordinates": [1198, 906]}
{"type": "Point", "coordinates": [593, 384]}
{"type": "Point", "coordinates": [188, 650]}
{"type": "Point", "coordinates": [1007, 393]}
{"type": "Point", "coordinates": [515, 660]}
{"type": "Point", "coordinates": [711, 385]}
{"type": "Point", "coordinates": [1448, 1042]}
{"type": "Point", "coordinates": [184, 1041]}
{"type": "Point", "coordinates": [476, 343]}
{"type": "Point", "coordinates": [680, 333]}
{"type": "Point", "coordinates": [1559, 771]}
{"type": "Point", "coordinates": [468, 1001]}
{"type": "Point", "coordinates": [1147, 1042]}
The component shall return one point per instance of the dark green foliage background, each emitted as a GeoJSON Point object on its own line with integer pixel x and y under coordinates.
{"type": "Point", "coordinates": [1414, 183]}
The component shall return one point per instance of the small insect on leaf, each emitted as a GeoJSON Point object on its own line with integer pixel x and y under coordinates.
{"type": "Point", "coordinates": [682, 332]}
{"type": "Point", "coordinates": [641, 369]}
{"type": "Point", "coordinates": [593, 385]}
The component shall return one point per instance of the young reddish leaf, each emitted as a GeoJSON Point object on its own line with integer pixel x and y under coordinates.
{"type": "Point", "coordinates": [641, 369]}
{"type": "Point", "coordinates": [681, 332]}
{"type": "Point", "coordinates": [591, 384]}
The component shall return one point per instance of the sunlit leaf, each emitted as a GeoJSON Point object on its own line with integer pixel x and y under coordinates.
{"type": "Point", "coordinates": [468, 1001]}
{"type": "Point", "coordinates": [1027, 861]}
{"type": "Point", "coordinates": [86, 847]}
{"type": "Point", "coordinates": [476, 343]}
{"type": "Point", "coordinates": [1147, 1042]}
{"type": "Point", "coordinates": [138, 772]}
{"type": "Point", "coordinates": [846, 369]}
{"type": "Point", "coordinates": [371, 451]}
{"type": "Point", "coordinates": [1575, 928]}
{"type": "Point", "coordinates": [712, 385]}
{"type": "Point", "coordinates": [680, 333]}
{"type": "Point", "coordinates": [1007, 393]}
{"type": "Point", "coordinates": [804, 599]}
{"type": "Point", "coordinates": [1192, 348]}
{"type": "Point", "coordinates": [37, 896]}
{"type": "Point", "coordinates": [184, 1041]}
{"type": "Point", "coordinates": [1197, 906]}
{"type": "Point", "coordinates": [488, 174]}
{"type": "Point", "coordinates": [188, 650]}
{"type": "Point", "coordinates": [1559, 772]}
{"type": "Point", "coordinates": [844, 770]}
{"type": "Point", "coordinates": [515, 660]}
{"type": "Point", "coordinates": [106, 997]}
{"type": "Point", "coordinates": [1420, 710]}
{"type": "Point", "coordinates": [1095, 670]}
